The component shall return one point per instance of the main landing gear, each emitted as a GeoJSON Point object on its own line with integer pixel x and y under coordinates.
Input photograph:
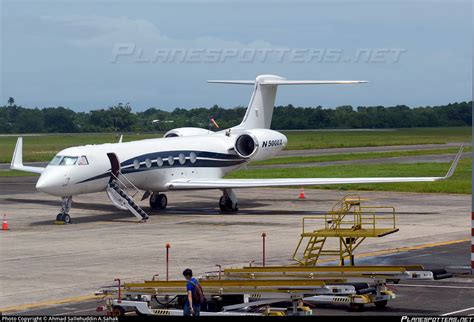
{"type": "Point", "coordinates": [228, 201]}
{"type": "Point", "coordinates": [63, 216]}
{"type": "Point", "coordinates": [158, 200]}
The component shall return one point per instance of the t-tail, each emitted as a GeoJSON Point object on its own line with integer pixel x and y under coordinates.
{"type": "Point", "coordinates": [260, 109]}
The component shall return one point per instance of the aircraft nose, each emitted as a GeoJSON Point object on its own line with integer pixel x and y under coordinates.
{"type": "Point", "coordinates": [52, 182]}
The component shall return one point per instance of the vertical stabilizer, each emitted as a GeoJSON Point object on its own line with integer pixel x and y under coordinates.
{"type": "Point", "coordinates": [260, 109]}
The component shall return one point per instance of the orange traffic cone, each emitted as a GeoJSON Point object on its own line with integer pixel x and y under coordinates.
{"type": "Point", "coordinates": [302, 196]}
{"type": "Point", "coordinates": [5, 223]}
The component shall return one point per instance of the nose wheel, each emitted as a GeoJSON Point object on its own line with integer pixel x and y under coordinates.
{"type": "Point", "coordinates": [63, 217]}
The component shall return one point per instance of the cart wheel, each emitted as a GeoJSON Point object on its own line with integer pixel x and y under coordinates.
{"type": "Point", "coordinates": [356, 307]}
{"type": "Point", "coordinates": [381, 304]}
{"type": "Point", "coordinates": [118, 311]}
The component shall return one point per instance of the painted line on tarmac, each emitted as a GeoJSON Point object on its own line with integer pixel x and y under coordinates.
{"type": "Point", "coordinates": [424, 255]}
{"type": "Point", "coordinates": [75, 312]}
{"type": "Point", "coordinates": [410, 248]}
{"type": "Point", "coordinates": [434, 286]}
{"type": "Point", "coordinates": [460, 311]}
{"type": "Point", "coordinates": [392, 251]}
{"type": "Point", "coordinates": [25, 307]}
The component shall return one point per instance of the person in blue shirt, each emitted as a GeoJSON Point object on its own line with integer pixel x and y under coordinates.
{"type": "Point", "coordinates": [193, 302]}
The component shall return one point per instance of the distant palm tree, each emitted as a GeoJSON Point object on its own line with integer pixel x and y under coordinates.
{"type": "Point", "coordinates": [11, 101]}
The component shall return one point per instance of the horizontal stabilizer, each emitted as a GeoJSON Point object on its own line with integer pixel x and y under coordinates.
{"type": "Point", "coordinates": [238, 82]}
{"type": "Point", "coordinates": [311, 82]}
{"type": "Point", "coordinates": [288, 82]}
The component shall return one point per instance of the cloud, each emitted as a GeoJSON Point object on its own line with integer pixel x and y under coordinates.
{"type": "Point", "coordinates": [103, 31]}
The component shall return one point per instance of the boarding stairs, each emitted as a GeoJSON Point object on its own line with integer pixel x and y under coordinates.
{"type": "Point", "coordinates": [121, 192]}
{"type": "Point", "coordinates": [348, 224]}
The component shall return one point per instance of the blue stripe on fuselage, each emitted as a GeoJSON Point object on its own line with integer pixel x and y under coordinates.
{"type": "Point", "coordinates": [175, 154]}
{"type": "Point", "coordinates": [220, 160]}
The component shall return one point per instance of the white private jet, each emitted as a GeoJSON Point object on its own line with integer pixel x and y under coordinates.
{"type": "Point", "coordinates": [185, 158]}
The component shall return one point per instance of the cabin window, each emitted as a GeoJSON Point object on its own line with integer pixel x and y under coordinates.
{"type": "Point", "coordinates": [55, 160]}
{"type": "Point", "coordinates": [136, 164]}
{"type": "Point", "coordinates": [148, 163]}
{"type": "Point", "coordinates": [192, 157]}
{"type": "Point", "coordinates": [170, 160]}
{"type": "Point", "coordinates": [68, 161]}
{"type": "Point", "coordinates": [159, 161]}
{"type": "Point", "coordinates": [182, 158]}
{"type": "Point", "coordinates": [83, 161]}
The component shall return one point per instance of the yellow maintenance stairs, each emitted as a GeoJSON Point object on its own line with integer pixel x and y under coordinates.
{"type": "Point", "coordinates": [349, 223]}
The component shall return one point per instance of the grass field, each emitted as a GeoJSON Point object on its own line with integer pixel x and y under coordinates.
{"type": "Point", "coordinates": [43, 147]}
{"type": "Point", "coordinates": [15, 173]}
{"type": "Point", "coordinates": [302, 140]}
{"type": "Point", "coordinates": [357, 156]}
{"type": "Point", "coordinates": [459, 183]}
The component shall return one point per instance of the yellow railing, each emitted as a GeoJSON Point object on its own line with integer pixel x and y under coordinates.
{"type": "Point", "coordinates": [365, 218]}
{"type": "Point", "coordinates": [350, 199]}
{"type": "Point", "coordinates": [348, 221]}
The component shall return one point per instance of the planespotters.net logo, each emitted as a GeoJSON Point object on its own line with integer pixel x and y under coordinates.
{"type": "Point", "coordinates": [131, 53]}
{"type": "Point", "coordinates": [437, 319]}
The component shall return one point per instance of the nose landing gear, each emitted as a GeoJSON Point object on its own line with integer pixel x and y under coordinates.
{"type": "Point", "coordinates": [63, 216]}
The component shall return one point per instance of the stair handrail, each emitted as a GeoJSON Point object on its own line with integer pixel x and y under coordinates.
{"type": "Point", "coordinates": [125, 185]}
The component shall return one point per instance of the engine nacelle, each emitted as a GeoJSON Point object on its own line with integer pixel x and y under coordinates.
{"type": "Point", "coordinates": [259, 144]}
{"type": "Point", "coordinates": [185, 131]}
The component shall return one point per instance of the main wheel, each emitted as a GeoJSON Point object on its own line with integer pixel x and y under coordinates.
{"type": "Point", "coordinates": [225, 205]}
{"type": "Point", "coordinates": [59, 217]}
{"type": "Point", "coordinates": [162, 201]}
{"type": "Point", "coordinates": [154, 201]}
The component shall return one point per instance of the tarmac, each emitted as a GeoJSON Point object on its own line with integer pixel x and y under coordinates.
{"type": "Point", "coordinates": [58, 267]}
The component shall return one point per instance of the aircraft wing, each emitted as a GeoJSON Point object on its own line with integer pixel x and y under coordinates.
{"type": "Point", "coordinates": [253, 183]}
{"type": "Point", "coordinates": [17, 160]}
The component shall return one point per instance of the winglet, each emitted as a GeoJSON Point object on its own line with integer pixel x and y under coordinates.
{"type": "Point", "coordinates": [17, 160]}
{"type": "Point", "coordinates": [454, 164]}
{"type": "Point", "coordinates": [121, 138]}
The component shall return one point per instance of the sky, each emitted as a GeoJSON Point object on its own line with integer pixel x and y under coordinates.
{"type": "Point", "coordinates": [94, 54]}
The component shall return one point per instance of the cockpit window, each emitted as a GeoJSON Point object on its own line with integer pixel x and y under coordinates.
{"type": "Point", "coordinates": [68, 161]}
{"type": "Point", "coordinates": [83, 160]}
{"type": "Point", "coordinates": [55, 160]}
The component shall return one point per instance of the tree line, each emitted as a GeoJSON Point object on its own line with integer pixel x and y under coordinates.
{"type": "Point", "coordinates": [121, 118]}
